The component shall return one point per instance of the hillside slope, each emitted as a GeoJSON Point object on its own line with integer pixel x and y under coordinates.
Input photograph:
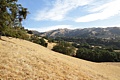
{"type": "Point", "coordinates": [24, 60]}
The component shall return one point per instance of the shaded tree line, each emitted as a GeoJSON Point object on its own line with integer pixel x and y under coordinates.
{"type": "Point", "coordinates": [98, 55]}
{"type": "Point", "coordinates": [114, 43]}
{"type": "Point", "coordinates": [87, 52]}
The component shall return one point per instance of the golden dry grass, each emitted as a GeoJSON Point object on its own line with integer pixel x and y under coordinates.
{"type": "Point", "coordinates": [24, 60]}
{"type": "Point", "coordinates": [51, 45]}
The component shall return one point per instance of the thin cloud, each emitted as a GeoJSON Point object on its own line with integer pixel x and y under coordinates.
{"type": "Point", "coordinates": [45, 29]}
{"type": "Point", "coordinates": [105, 26]}
{"type": "Point", "coordinates": [102, 12]}
{"type": "Point", "coordinates": [60, 9]}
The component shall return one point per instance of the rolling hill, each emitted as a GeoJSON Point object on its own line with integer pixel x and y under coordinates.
{"type": "Point", "coordinates": [24, 60]}
{"type": "Point", "coordinates": [109, 32]}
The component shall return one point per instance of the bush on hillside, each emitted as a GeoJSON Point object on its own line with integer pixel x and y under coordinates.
{"type": "Point", "coordinates": [43, 42]}
{"type": "Point", "coordinates": [38, 40]}
{"type": "Point", "coordinates": [15, 32]}
{"type": "Point", "coordinates": [29, 32]}
{"type": "Point", "coordinates": [65, 48]}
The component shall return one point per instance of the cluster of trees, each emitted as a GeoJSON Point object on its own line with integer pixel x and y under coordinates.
{"type": "Point", "coordinates": [65, 48]}
{"type": "Point", "coordinates": [114, 43]}
{"type": "Point", "coordinates": [11, 16]}
{"type": "Point", "coordinates": [38, 40]}
{"type": "Point", "coordinates": [98, 55]}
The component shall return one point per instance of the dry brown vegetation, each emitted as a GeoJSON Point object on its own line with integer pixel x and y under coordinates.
{"type": "Point", "coordinates": [24, 60]}
{"type": "Point", "coordinates": [51, 45]}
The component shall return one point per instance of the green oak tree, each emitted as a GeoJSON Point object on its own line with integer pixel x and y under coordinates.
{"type": "Point", "coordinates": [11, 14]}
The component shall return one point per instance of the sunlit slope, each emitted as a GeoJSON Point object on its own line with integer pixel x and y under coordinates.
{"type": "Point", "coordinates": [24, 60]}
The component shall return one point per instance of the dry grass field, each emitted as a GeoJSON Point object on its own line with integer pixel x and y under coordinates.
{"type": "Point", "coordinates": [24, 60]}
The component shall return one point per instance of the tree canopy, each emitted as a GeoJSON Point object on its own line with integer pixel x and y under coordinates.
{"type": "Point", "coordinates": [11, 13]}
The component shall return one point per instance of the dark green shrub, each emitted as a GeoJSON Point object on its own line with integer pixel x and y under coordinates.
{"type": "Point", "coordinates": [38, 40]}
{"type": "Point", "coordinates": [15, 32]}
{"type": "Point", "coordinates": [43, 42]}
{"type": "Point", "coordinates": [29, 32]}
{"type": "Point", "coordinates": [65, 48]}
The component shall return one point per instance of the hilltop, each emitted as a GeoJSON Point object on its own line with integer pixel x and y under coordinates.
{"type": "Point", "coordinates": [109, 32]}
{"type": "Point", "coordinates": [24, 60]}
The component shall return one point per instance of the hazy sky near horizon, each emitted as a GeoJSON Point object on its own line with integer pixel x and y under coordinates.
{"type": "Point", "coordinates": [47, 15]}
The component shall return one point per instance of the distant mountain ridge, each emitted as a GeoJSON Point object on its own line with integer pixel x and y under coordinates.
{"type": "Point", "coordinates": [109, 32]}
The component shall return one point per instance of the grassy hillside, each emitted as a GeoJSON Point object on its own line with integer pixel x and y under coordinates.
{"type": "Point", "coordinates": [24, 60]}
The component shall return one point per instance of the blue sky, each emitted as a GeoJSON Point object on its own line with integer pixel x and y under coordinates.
{"type": "Point", "coordinates": [47, 15]}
